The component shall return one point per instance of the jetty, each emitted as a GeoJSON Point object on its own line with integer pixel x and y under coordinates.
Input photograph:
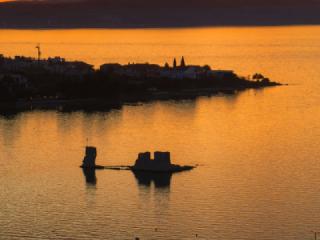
{"type": "Point", "coordinates": [144, 163]}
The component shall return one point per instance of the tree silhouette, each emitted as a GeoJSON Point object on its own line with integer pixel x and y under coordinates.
{"type": "Point", "coordinates": [174, 63]}
{"type": "Point", "coordinates": [182, 64]}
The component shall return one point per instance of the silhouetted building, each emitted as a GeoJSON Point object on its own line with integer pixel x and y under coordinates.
{"type": "Point", "coordinates": [145, 71]}
{"type": "Point", "coordinates": [222, 73]}
{"type": "Point", "coordinates": [51, 65]}
{"type": "Point", "coordinates": [161, 163]}
{"type": "Point", "coordinates": [89, 160]}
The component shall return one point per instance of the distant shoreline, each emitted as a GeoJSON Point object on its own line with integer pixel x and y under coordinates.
{"type": "Point", "coordinates": [54, 83]}
{"type": "Point", "coordinates": [161, 27]}
{"type": "Point", "coordinates": [156, 14]}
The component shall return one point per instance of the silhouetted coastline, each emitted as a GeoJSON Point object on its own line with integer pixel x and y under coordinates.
{"type": "Point", "coordinates": [54, 83]}
{"type": "Point", "coordinates": [62, 14]}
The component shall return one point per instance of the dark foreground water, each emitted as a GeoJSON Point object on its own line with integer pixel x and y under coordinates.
{"type": "Point", "coordinates": [258, 151]}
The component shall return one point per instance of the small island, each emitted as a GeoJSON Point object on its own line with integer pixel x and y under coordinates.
{"type": "Point", "coordinates": [54, 83]}
{"type": "Point", "coordinates": [160, 164]}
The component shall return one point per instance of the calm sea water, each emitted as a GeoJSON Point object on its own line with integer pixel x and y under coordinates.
{"type": "Point", "coordinates": [258, 151]}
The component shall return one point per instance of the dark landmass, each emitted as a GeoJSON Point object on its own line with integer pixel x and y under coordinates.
{"type": "Point", "coordinates": [154, 14]}
{"type": "Point", "coordinates": [27, 83]}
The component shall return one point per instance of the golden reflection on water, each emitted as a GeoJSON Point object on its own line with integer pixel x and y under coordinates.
{"type": "Point", "coordinates": [258, 150]}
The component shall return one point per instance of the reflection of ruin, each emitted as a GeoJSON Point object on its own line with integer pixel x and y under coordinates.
{"type": "Point", "coordinates": [90, 175]}
{"type": "Point", "coordinates": [160, 180]}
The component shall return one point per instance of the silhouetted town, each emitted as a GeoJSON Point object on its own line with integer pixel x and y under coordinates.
{"type": "Point", "coordinates": [52, 82]}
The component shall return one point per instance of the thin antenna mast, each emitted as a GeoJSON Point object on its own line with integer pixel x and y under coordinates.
{"type": "Point", "coordinates": [39, 51]}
